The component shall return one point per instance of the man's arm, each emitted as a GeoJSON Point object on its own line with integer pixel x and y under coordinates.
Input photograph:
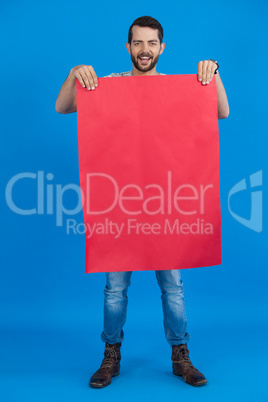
{"type": "Point", "coordinates": [66, 100]}
{"type": "Point", "coordinates": [223, 106]}
{"type": "Point", "coordinates": [206, 70]}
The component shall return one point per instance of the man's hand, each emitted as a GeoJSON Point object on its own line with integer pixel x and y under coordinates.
{"type": "Point", "coordinates": [66, 100]}
{"type": "Point", "coordinates": [206, 70]}
{"type": "Point", "coordinates": [86, 76]}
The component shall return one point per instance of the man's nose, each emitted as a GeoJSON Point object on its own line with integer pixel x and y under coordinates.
{"type": "Point", "coordinates": [145, 48]}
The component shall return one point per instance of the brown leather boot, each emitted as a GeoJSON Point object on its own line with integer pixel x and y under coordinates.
{"type": "Point", "coordinates": [182, 366]}
{"type": "Point", "coordinates": [109, 368]}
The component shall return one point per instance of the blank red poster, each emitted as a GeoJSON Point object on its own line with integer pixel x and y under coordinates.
{"type": "Point", "coordinates": [149, 173]}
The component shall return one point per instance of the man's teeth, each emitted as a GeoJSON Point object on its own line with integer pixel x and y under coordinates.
{"type": "Point", "coordinates": [144, 58]}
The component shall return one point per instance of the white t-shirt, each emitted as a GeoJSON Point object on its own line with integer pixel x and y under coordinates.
{"type": "Point", "coordinates": [125, 74]}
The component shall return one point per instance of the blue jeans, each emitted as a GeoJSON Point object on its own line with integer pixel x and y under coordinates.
{"type": "Point", "coordinates": [172, 296]}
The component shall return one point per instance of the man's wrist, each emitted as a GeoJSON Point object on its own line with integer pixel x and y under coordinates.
{"type": "Point", "coordinates": [217, 64]}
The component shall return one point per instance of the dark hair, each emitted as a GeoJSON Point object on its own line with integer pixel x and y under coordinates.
{"type": "Point", "coordinates": [147, 21]}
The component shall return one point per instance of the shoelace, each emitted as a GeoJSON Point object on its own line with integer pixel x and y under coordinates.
{"type": "Point", "coordinates": [108, 361]}
{"type": "Point", "coordinates": [183, 358]}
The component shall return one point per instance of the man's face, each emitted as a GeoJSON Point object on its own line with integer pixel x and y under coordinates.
{"type": "Point", "coordinates": [145, 48]}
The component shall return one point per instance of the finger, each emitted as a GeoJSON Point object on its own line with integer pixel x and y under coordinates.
{"type": "Point", "coordinates": [204, 72]}
{"type": "Point", "coordinates": [81, 73]}
{"type": "Point", "coordinates": [199, 68]}
{"type": "Point", "coordinates": [79, 77]}
{"type": "Point", "coordinates": [88, 77]}
{"type": "Point", "coordinates": [94, 75]}
{"type": "Point", "coordinates": [208, 72]}
{"type": "Point", "coordinates": [211, 71]}
{"type": "Point", "coordinates": [90, 74]}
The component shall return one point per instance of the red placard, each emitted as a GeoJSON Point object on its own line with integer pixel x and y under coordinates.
{"type": "Point", "coordinates": [149, 173]}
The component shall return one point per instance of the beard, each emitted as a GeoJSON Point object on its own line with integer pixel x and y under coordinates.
{"type": "Point", "coordinates": [141, 68]}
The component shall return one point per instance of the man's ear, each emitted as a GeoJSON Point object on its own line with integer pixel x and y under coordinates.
{"type": "Point", "coordinates": [128, 47]}
{"type": "Point", "coordinates": [162, 47]}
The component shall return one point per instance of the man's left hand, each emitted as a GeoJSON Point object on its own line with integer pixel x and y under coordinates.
{"type": "Point", "coordinates": [206, 69]}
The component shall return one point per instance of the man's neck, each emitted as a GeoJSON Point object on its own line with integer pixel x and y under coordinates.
{"type": "Point", "coordinates": [135, 71]}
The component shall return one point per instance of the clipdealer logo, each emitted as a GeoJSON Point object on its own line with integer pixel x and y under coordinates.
{"type": "Point", "coordinates": [256, 209]}
{"type": "Point", "coordinates": [131, 200]}
{"type": "Point", "coordinates": [46, 193]}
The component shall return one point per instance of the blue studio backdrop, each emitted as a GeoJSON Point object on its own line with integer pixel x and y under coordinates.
{"type": "Point", "coordinates": [51, 311]}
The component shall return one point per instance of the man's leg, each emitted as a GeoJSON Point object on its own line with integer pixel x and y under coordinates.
{"type": "Point", "coordinates": [115, 306]}
{"type": "Point", "coordinates": [175, 324]}
{"type": "Point", "coordinates": [175, 321]}
{"type": "Point", "coordinates": [115, 313]}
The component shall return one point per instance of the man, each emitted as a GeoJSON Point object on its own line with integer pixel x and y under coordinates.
{"type": "Point", "coordinates": [144, 45]}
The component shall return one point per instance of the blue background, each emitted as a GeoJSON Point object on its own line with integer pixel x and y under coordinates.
{"type": "Point", "coordinates": [51, 312]}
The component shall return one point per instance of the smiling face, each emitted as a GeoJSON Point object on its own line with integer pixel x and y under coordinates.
{"type": "Point", "coordinates": [145, 49]}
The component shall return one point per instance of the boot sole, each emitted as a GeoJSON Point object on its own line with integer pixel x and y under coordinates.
{"type": "Point", "coordinates": [194, 385]}
{"type": "Point", "coordinates": [96, 385]}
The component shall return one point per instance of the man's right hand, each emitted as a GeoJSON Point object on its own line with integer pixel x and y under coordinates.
{"type": "Point", "coordinates": [86, 76]}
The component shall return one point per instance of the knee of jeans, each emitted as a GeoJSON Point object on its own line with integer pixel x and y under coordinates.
{"type": "Point", "coordinates": [116, 289]}
{"type": "Point", "coordinates": [172, 288]}
{"type": "Point", "coordinates": [118, 281]}
{"type": "Point", "coordinates": [169, 279]}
